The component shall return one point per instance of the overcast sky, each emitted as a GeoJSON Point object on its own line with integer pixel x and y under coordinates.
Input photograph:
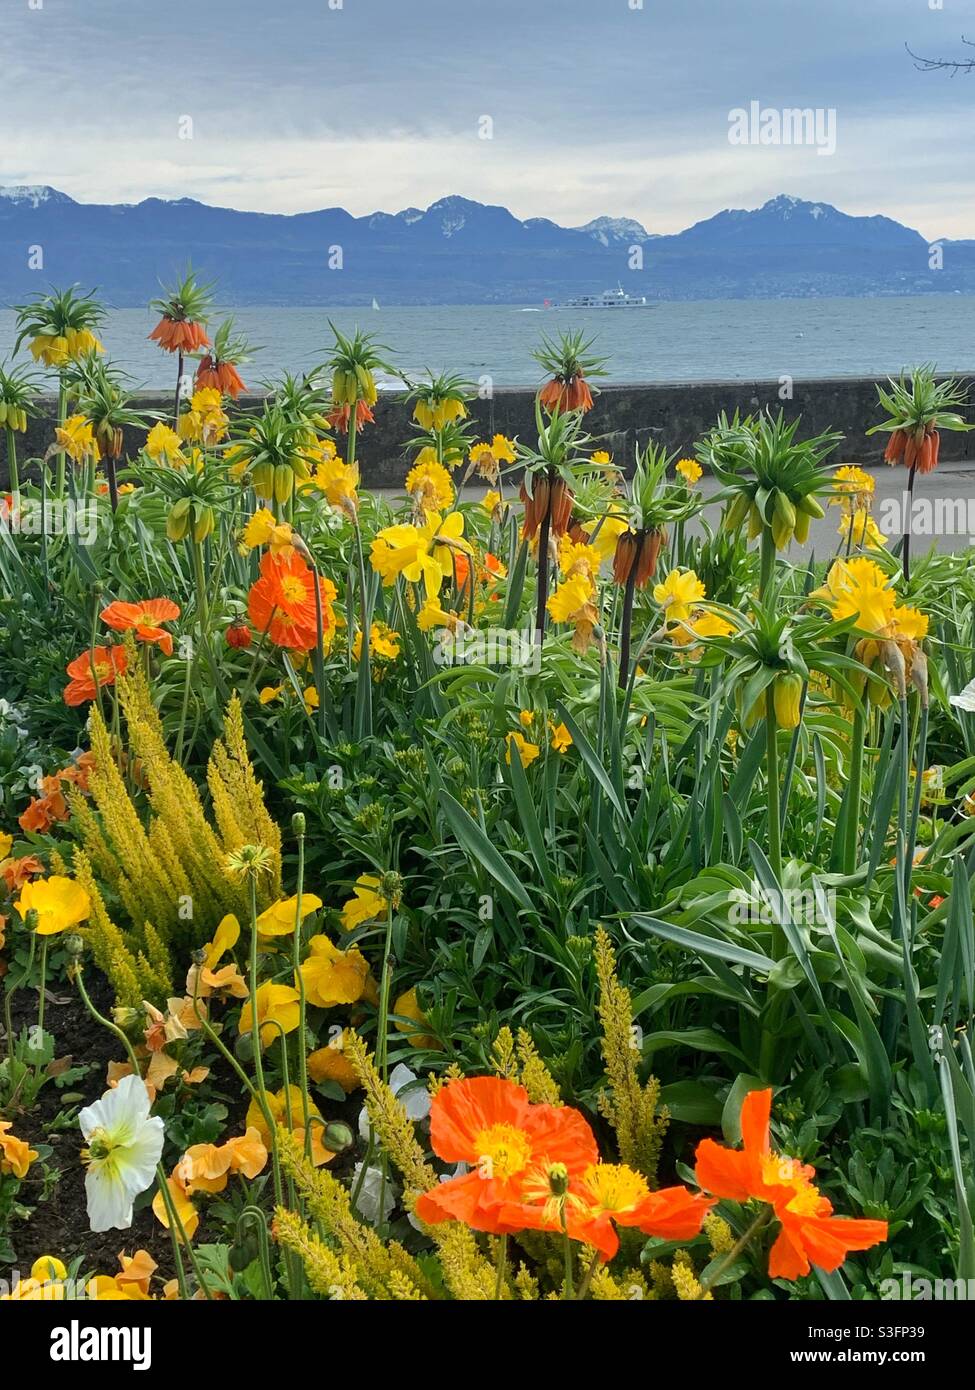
{"type": "Point", "coordinates": [598, 106]}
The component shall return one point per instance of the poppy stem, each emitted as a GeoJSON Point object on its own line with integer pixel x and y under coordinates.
{"type": "Point", "coordinates": [300, 983]}
{"type": "Point", "coordinates": [42, 989]}
{"type": "Point", "coordinates": [502, 1269]}
{"type": "Point", "coordinates": [760, 1222]}
{"type": "Point", "coordinates": [586, 1284]}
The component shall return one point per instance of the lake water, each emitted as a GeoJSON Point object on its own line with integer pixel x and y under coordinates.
{"type": "Point", "coordinates": [701, 340]}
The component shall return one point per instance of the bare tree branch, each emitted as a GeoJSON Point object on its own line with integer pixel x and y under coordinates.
{"type": "Point", "coordinates": [951, 65]}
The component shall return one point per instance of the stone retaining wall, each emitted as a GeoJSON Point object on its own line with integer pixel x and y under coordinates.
{"type": "Point", "coordinates": [623, 417]}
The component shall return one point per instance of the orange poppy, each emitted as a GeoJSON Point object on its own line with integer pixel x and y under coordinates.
{"type": "Point", "coordinates": [143, 619]}
{"type": "Point", "coordinates": [108, 663]}
{"type": "Point", "coordinates": [282, 601]}
{"type": "Point", "coordinates": [340, 416]}
{"type": "Point", "coordinates": [490, 1123]}
{"type": "Point", "coordinates": [219, 376]}
{"type": "Point", "coordinates": [609, 1194]}
{"type": "Point", "coordinates": [179, 335]}
{"type": "Point", "coordinates": [810, 1233]}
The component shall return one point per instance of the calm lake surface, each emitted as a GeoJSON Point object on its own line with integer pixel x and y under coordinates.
{"type": "Point", "coordinates": [703, 340]}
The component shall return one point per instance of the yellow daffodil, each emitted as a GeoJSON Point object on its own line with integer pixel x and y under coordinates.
{"type": "Point", "coordinates": [690, 470]}
{"type": "Point", "coordinates": [76, 437]}
{"type": "Point", "coordinates": [678, 594]}
{"type": "Point", "coordinates": [858, 588]}
{"type": "Point", "coordinates": [338, 481]}
{"type": "Point", "coordinates": [487, 459]}
{"type": "Point", "coordinates": [421, 554]}
{"type": "Point", "coordinates": [855, 487]}
{"type": "Point", "coordinates": [282, 917]}
{"type": "Point", "coordinates": [428, 483]}
{"type": "Point", "coordinates": [604, 534]}
{"type": "Point", "coordinates": [164, 446]}
{"type": "Point", "coordinates": [264, 529]}
{"type": "Point", "coordinates": [366, 905]}
{"type": "Point", "coordinates": [859, 528]}
{"type": "Point", "coordinates": [59, 902]}
{"type": "Point", "coordinates": [276, 1004]}
{"type": "Point", "coordinates": [332, 976]}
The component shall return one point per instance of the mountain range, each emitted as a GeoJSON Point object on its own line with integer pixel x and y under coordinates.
{"type": "Point", "coordinates": [459, 252]}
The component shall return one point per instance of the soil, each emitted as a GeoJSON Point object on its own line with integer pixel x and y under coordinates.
{"type": "Point", "coordinates": [58, 1222]}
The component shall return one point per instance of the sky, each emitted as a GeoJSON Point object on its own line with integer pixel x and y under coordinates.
{"type": "Point", "coordinates": [567, 109]}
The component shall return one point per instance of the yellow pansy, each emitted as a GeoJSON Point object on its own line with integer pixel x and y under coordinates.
{"type": "Point", "coordinates": [282, 917]}
{"type": "Point", "coordinates": [276, 1005]}
{"type": "Point", "coordinates": [332, 976]}
{"type": "Point", "coordinates": [366, 904]}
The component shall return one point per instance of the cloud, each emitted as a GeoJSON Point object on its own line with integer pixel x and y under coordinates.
{"type": "Point", "coordinates": [597, 107]}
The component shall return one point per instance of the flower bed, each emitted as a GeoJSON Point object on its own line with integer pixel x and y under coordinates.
{"type": "Point", "coordinates": [560, 895]}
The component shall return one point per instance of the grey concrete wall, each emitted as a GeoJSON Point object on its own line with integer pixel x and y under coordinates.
{"type": "Point", "coordinates": [623, 417]}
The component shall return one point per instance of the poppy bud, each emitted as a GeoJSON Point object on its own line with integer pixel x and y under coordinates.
{"type": "Point", "coordinates": [337, 1137]}
{"type": "Point", "coordinates": [298, 824]}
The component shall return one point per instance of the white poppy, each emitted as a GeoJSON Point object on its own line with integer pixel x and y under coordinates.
{"type": "Point", "coordinates": [414, 1099]}
{"type": "Point", "coordinates": [125, 1144]}
{"type": "Point", "coordinates": [965, 699]}
{"type": "Point", "coordinates": [367, 1202]}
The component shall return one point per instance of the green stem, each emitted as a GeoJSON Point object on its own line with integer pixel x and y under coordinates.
{"type": "Point", "coordinates": [202, 606]}
{"type": "Point", "coordinates": [8, 999]}
{"type": "Point", "coordinates": [586, 1284]}
{"type": "Point", "coordinates": [768, 562]}
{"type": "Point", "coordinates": [12, 462]}
{"type": "Point", "coordinates": [43, 987]}
{"type": "Point", "coordinates": [568, 1290]}
{"type": "Point", "coordinates": [772, 767]}
{"type": "Point", "coordinates": [302, 999]}
{"type": "Point", "coordinates": [852, 826]}
{"type": "Point", "coordinates": [502, 1268]}
{"type": "Point", "coordinates": [760, 1222]}
{"type": "Point", "coordinates": [62, 414]}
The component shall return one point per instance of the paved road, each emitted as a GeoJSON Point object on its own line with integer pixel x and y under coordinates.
{"type": "Point", "coordinates": [944, 509]}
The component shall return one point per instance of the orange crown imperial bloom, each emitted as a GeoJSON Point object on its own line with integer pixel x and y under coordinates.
{"type": "Point", "coordinates": [87, 675]}
{"type": "Point", "coordinates": [179, 335]}
{"type": "Point", "coordinates": [490, 1124]}
{"type": "Point", "coordinates": [143, 619]}
{"type": "Point", "coordinates": [282, 602]}
{"type": "Point", "coordinates": [219, 376]}
{"type": "Point", "coordinates": [810, 1233]}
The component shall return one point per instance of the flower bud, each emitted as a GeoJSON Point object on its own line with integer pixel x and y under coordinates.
{"type": "Point", "coordinates": [298, 824]}
{"type": "Point", "coordinates": [337, 1137]}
